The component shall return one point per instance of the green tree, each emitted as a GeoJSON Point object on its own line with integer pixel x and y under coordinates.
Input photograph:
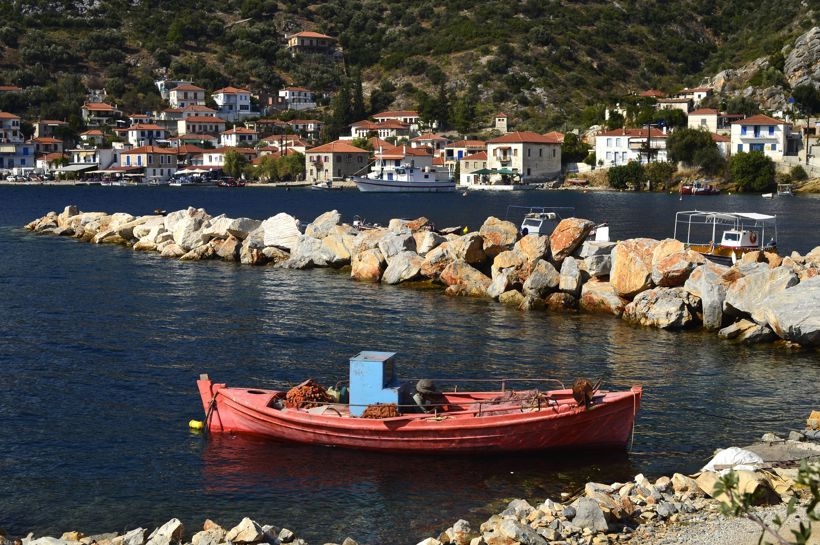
{"type": "Point", "coordinates": [357, 107]}
{"type": "Point", "coordinates": [660, 174]}
{"type": "Point", "coordinates": [742, 105]}
{"type": "Point", "coordinates": [807, 99]}
{"type": "Point", "coordinates": [798, 173]}
{"type": "Point", "coordinates": [615, 121]}
{"type": "Point", "coordinates": [621, 177]}
{"type": "Point", "coordinates": [235, 163]}
{"type": "Point", "coordinates": [752, 171]}
{"type": "Point", "coordinates": [341, 109]}
{"type": "Point", "coordinates": [573, 149]}
{"type": "Point", "coordinates": [362, 143]}
{"type": "Point", "coordinates": [684, 144]}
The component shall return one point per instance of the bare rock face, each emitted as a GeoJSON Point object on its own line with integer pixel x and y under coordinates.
{"type": "Point", "coordinates": [543, 280]}
{"type": "Point", "coordinates": [632, 266]}
{"type": "Point", "coordinates": [368, 265]}
{"type": "Point", "coordinates": [667, 308]}
{"type": "Point", "coordinates": [339, 248]}
{"type": "Point", "coordinates": [570, 280]}
{"type": "Point", "coordinates": [403, 267]}
{"type": "Point", "coordinates": [745, 295]}
{"type": "Point", "coordinates": [393, 244]}
{"type": "Point", "coordinates": [534, 247]}
{"type": "Point", "coordinates": [228, 249]}
{"type": "Point", "coordinates": [667, 247]}
{"type": "Point", "coordinates": [746, 331]}
{"type": "Point", "coordinates": [674, 269]}
{"type": "Point", "coordinates": [598, 296]}
{"type": "Point", "coordinates": [508, 259]}
{"type": "Point", "coordinates": [511, 297]}
{"type": "Point", "coordinates": [321, 226]}
{"type": "Point", "coordinates": [568, 235]}
{"type": "Point", "coordinates": [188, 233]}
{"type": "Point", "coordinates": [436, 261]}
{"type": "Point", "coordinates": [498, 235]}
{"type": "Point", "coordinates": [427, 241]}
{"type": "Point", "coordinates": [469, 248]}
{"type": "Point", "coordinates": [281, 231]}
{"type": "Point", "coordinates": [707, 283]}
{"type": "Point", "coordinates": [794, 314]}
{"type": "Point", "coordinates": [170, 532]}
{"type": "Point", "coordinates": [469, 280]}
{"type": "Point", "coordinates": [803, 62]}
{"type": "Point", "coordinates": [500, 284]}
{"type": "Point", "coordinates": [559, 301]}
{"type": "Point", "coordinates": [246, 531]}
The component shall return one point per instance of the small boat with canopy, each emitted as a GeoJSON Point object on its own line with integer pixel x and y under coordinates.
{"type": "Point", "coordinates": [725, 236]}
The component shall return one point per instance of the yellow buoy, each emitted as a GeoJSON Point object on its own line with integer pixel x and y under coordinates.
{"type": "Point", "coordinates": [466, 230]}
{"type": "Point", "coordinates": [196, 424]}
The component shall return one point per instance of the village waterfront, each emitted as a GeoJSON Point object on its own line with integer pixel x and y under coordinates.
{"type": "Point", "coordinates": [100, 373]}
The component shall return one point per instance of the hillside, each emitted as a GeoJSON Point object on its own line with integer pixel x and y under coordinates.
{"type": "Point", "coordinates": [546, 62]}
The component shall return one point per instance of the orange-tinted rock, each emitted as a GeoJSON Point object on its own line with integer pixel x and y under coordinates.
{"type": "Point", "coordinates": [367, 266]}
{"type": "Point", "coordinates": [599, 296]}
{"type": "Point", "coordinates": [632, 266]}
{"type": "Point", "coordinates": [568, 235]}
{"type": "Point", "coordinates": [673, 269]}
{"type": "Point", "coordinates": [498, 235]}
{"type": "Point", "coordinates": [470, 280]}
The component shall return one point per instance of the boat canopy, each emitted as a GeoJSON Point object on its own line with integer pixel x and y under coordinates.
{"type": "Point", "coordinates": [727, 220]}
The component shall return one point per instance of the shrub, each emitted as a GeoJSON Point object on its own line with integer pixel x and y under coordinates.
{"type": "Point", "coordinates": [798, 173]}
{"type": "Point", "coordinates": [631, 173]}
{"type": "Point", "coordinates": [752, 171]}
{"type": "Point", "coordinates": [660, 173]}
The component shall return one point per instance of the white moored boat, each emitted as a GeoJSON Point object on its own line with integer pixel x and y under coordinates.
{"type": "Point", "coordinates": [405, 170]}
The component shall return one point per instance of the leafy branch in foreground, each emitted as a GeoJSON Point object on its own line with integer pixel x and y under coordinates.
{"type": "Point", "coordinates": [742, 505]}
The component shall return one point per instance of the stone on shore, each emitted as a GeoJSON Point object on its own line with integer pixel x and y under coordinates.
{"type": "Point", "coordinates": [368, 265]}
{"type": "Point", "coordinates": [632, 266]}
{"type": "Point", "coordinates": [469, 280]}
{"type": "Point", "coordinates": [170, 532]}
{"type": "Point", "coordinates": [747, 331]}
{"type": "Point", "coordinates": [588, 514]}
{"type": "Point", "coordinates": [469, 248]}
{"type": "Point", "coordinates": [511, 297]}
{"type": "Point", "coordinates": [403, 267]}
{"type": "Point", "coordinates": [794, 314]}
{"type": "Point", "coordinates": [509, 260]}
{"type": "Point", "coordinates": [205, 251]}
{"type": "Point", "coordinates": [512, 529]}
{"type": "Point", "coordinates": [132, 537]}
{"type": "Point", "coordinates": [173, 251]}
{"type": "Point", "coordinates": [212, 536]}
{"type": "Point", "coordinates": [707, 283]}
{"type": "Point", "coordinates": [746, 295]}
{"type": "Point", "coordinates": [542, 280]}
{"type": "Point", "coordinates": [666, 308]}
{"type": "Point", "coordinates": [281, 231]}
{"type": "Point", "coordinates": [143, 245]}
{"type": "Point", "coordinates": [567, 236]}
{"type": "Point", "coordinates": [427, 241]}
{"type": "Point", "coordinates": [338, 247]}
{"type": "Point", "coordinates": [673, 269]}
{"type": "Point", "coordinates": [500, 283]}
{"type": "Point", "coordinates": [322, 225]}
{"type": "Point", "coordinates": [393, 244]}
{"type": "Point", "coordinates": [570, 279]}
{"type": "Point", "coordinates": [227, 249]}
{"type": "Point", "coordinates": [188, 233]}
{"type": "Point", "coordinates": [533, 246]}
{"type": "Point", "coordinates": [600, 296]}
{"type": "Point", "coordinates": [499, 235]}
{"type": "Point", "coordinates": [309, 252]}
{"type": "Point", "coordinates": [247, 531]}
{"type": "Point", "coordinates": [560, 301]}
{"type": "Point", "coordinates": [591, 248]}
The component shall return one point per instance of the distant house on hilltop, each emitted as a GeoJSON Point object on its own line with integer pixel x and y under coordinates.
{"type": "Point", "coordinates": [96, 114]}
{"type": "Point", "coordinates": [234, 103]}
{"type": "Point", "coordinates": [186, 95]}
{"type": "Point", "coordinates": [696, 95]}
{"type": "Point", "coordinates": [311, 42]}
{"type": "Point", "coordinates": [500, 122]}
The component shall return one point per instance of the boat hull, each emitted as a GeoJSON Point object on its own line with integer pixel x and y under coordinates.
{"type": "Point", "coordinates": [501, 187]}
{"type": "Point", "coordinates": [726, 255]}
{"type": "Point", "coordinates": [607, 424]}
{"type": "Point", "coordinates": [371, 185]}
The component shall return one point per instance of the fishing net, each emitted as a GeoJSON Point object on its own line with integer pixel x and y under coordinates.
{"type": "Point", "coordinates": [306, 395]}
{"type": "Point", "coordinates": [381, 410]}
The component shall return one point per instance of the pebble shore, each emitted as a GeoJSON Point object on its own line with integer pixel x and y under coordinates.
{"type": "Point", "coordinates": [764, 297]}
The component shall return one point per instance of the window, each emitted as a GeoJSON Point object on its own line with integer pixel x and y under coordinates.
{"type": "Point", "coordinates": [528, 152]}
{"type": "Point", "coordinates": [515, 152]}
{"type": "Point", "coordinates": [771, 130]}
{"type": "Point", "coordinates": [618, 142]}
{"type": "Point", "coordinates": [609, 142]}
{"type": "Point", "coordinates": [541, 152]}
{"type": "Point", "coordinates": [702, 122]}
{"type": "Point", "coordinates": [609, 156]}
{"type": "Point", "coordinates": [743, 129]}
{"type": "Point", "coordinates": [528, 172]}
{"type": "Point", "coordinates": [553, 152]}
{"type": "Point", "coordinates": [739, 148]}
{"type": "Point", "coordinates": [774, 147]}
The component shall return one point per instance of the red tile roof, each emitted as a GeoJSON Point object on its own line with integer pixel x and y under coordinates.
{"type": "Point", "coordinates": [526, 137]}
{"type": "Point", "coordinates": [760, 119]}
{"type": "Point", "coordinates": [6, 115]}
{"type": "Point", "coordinates": [469, 144]}
{"type": "Point", "coordinates": [501, 115]}
{"type": "Point", "coordinates": [204, 119]}
{"type": "Point", "coordinates": [558, 137]}
{"type": "Point", "coordinates": [52, 122]}
{"type": "Point", "coordinates": [230, 91]}
{"type": "Point", "coordinates": [187, 87]}
{"type": "Point", "coordinates": [295, 89]}
{"type": "Point", "coordinates": [47, 140]}
{"type": "Point", "coordinates": [309, 34]}
{"type": "Point", "coordinates": [337, 147]}
{"type": "Point", "coordinates": [396, 113]}
{"type": "Point", "coordinates": [704, 111]}
{"type": "Point", "coordinates": [145, 127]}
{"type": "Point", "coordinates": [10, 89]}
{"type": "Point", "coordinates": [653, 132]}
{"type": "Point", "coordinates": [150, 149]}
{"type": "Point", "coordinates": [652, 93]}
{"type": "Point", "coordinates": [197, 108]}
{"type": "Point", "coordinates": [98, 107]}
{"type": "Point", "coordinates": [438, 161]}
{"type": "Point", "coordinates": [480, 156]}
{"type": "Point", "coordinates": [92, 132]}
{"type": "Point", "coordinates": [428, 136]}
{"type": "Point", "coordinates": [720, 138]}
{"type": "Point", "coordinates": [239, 130]}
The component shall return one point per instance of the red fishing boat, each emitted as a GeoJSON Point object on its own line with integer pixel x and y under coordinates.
{"type": "Point", "coordinates": [458, 422]}
{"type": "Point", "coordinates": [699, 188]}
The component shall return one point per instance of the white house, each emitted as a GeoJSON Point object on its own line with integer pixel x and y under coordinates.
{"type": "Point", "coordinates": [145, 134]}
{"type": "Point", "coordinates": [408, 117]}
{"type": "Point", "coordinates": [682, 104]}
{"type": "Point", "coordinates": [197, 110]}
{"type": "Point", "coordinates": [197, 124]}
{"type": "Point", "coordinates": [704, 118]}
{"type": "Point", "coordinates": [430, 140]}
{"type": "Point", "coordinates": [216, 157]}
{"type": "Point", "coordinates": [500, 122]}
{"type": "Point", "coordinates": [311, 42]}
{"type": "Point", "coordinates": [234, 103]}
{"type": "Point", "coordinates": [309, 127]}
{"type": "Point", "coordinates": [238, 137]}
{"type": "Point", "coordinates": [723, 144]}
{"type": "Point", "coordinates": [761, 133]}
{"type": "Point", "coordinates": [387, 160]}
{"type": "Point", "coordinates": [297, 98]}
{"type": "Point", "coordinates": [14, 152]}
{"type": "Point", "coordinates": [532, 156]}
{"type": "Point", "coordinates": [696, 95]}
{"type": "Point", "coordinates": [470, 164]}
{"type": "Point", "coordinates": [455, 151]}
{"type": "Point", "coordinates": [186, 95]}
{"type": "Point", "coordinates": [620, 146]}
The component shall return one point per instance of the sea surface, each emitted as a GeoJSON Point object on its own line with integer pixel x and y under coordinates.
{"type": "Point", "coordinates": [100, 348]}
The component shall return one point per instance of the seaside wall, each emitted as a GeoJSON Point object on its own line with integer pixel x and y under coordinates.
{"type": "Point", "coordinates": [762, 298]}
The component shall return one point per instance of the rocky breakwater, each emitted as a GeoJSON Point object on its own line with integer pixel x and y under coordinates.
{"type": "Point", "coordinates": [762, 298]}
{"type": "Point", "coordinates": [247, 532]}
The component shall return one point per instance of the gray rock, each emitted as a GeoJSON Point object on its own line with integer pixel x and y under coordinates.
{"type": "Point", "coordinates": [500, 284]}
{"type": "Point", "coordinates": [286, 536]}
{"type": "Point", "coordinates": [282, 231]}
{"type": "Point", "coordinates": [132, 537]}
{"type": "Point", "coordinates": [746, 331]}
{"type": "Point", "coordinates": [242, 227]}
{"type": "Point", "coordinates": [393, 244]}
{"type": "Point", "coordinates": [309, 249]}
{"type": "Point", "coordinates": [746, 295]}
{"type": "Point", "coordinates": [591, 248]}
{"type": "Point", "coordinates": [247, 531]}
{"type": "Point", "coordinates": [188, 234]}
{"type": "Point", "coordinates": [214, 536]}
{"type": "Point", "coordinates": [665, 509]}
{"type": "Point", "coordinates": [589, 515]}
{"type": "Point", "coordinates": [403, 267]}
{"type": "Point", "coordinates": [568, 512]}
{"type": "Point", "coordinates": [170, 532]}
{"type": "Point", "coordinates": [427, 241]}
{"type": "Point", "coordinates": [802, 65]}
{"type": "Point", "coordinates": [518, 508]}
{"type": "Point", "coordinates": [596, 266]}
{"type": "Point", "coordinates": [48, 541]}
{"type": "Point", "coordinates": [667, 308]}
{"type": "Point", "coordinates": [542, 280]}
{"type": "Point", "coordinates": [793, 314]}
{"type": "Point", "coordinates": [570, 280]}
{"type": "Point", "coordinates": [518, 532]}
{"type": "Point", "coordinates": [796, 436]}
{"type": "Point", "coordinates": [706, 283]}
{"type": "Point", "coordinates": [322, 225]}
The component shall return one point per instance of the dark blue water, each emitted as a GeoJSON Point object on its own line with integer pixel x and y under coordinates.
{"type": "Point", "coordinates": [100, 348]}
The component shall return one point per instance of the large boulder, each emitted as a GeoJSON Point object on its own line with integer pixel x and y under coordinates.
{"type": "Point", "coordinates": [794, 314]}
{"type": "Point", "coordinates": [560, 301]}
{"type": "Point", "coordinates": [666, 247]}
{"type": "Point", "coordinates": [500, 283]}
{"type": "Point", "coordinates": [310, 251]}
{"type": "Point", "coordinates": [241, 227]}
{"type": "Point", "coordinates": [498, 235]}
{"type": "Point", "coordinates": [153, 224]}
{"type": "Point", "coordinates": [568, 235]}
{"type": "Point", "coordinates": [282, 231]}
{"type": "Point", "coordinates": [533, 246]}
{"type": "Point", "coordinates": [170, 532]}
{"type": "Point", "coordinates": [68, 212]}
{"type": "Point", "coordinates": [338, 248]}
{"type": "Point", "coordinates": [188, 233]}
{"type": "Point", "coordinates": [469, 248]}
{"type": "Point", "coordinates": [470, 281]}
{"type": "Point", "coordinates": [227, 249]}
{"type": "Point", "coordinates": [746, 331]}
{"type": "Point", "coordinates": [393, 244]}
{"type": "Point", "coordinates": [170, 221]}
{"type": "Point", "coordinates": [591, 248]}
{"type": "Point", "coordinates": [436, 260]}
{"type": "Point", "coordinates": [667, 308]}
{"type": "Point", "coordinates": [706, 282]}
{"type": "Point", "coordinates": [588, 514]}
{"type": "Point", "coordinates": [516, 532]}
{"type": "Point", "coordinates": [403, 267]}
{"type": "Point", "coordinates": [632, 266]}
{"type": "Point", "coordinates": [368, 239]}
{"type": "Point", "coordinates": [598, 296]}
{"type": "Point", "coordinates": [745, 295]}
{"type": "Point", "coordinates": [321, 226]}
{"type": "Point", "coordinates": [673, 269]}
{"type": "Point", "coordinates": [543, 280]}
{"type": "Point", "coordinates": [571, 277]}
{"type": "Point", "coordinates": [596, 266]}
{"type": "Point", "coordinates": [427, 241]}
{"type": "Point", "coordinates": [367, 265]}
{"type": "Point", "coordinates": [247, 531]}
{"type": "Point", "coordinates": [509, 259]}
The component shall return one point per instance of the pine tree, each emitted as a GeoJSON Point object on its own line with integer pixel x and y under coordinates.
{"type": "Point", "coordinates": [358, 111]}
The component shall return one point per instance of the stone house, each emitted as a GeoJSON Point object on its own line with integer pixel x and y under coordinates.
{"type": "Point", "coordinates": [335, 161]}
